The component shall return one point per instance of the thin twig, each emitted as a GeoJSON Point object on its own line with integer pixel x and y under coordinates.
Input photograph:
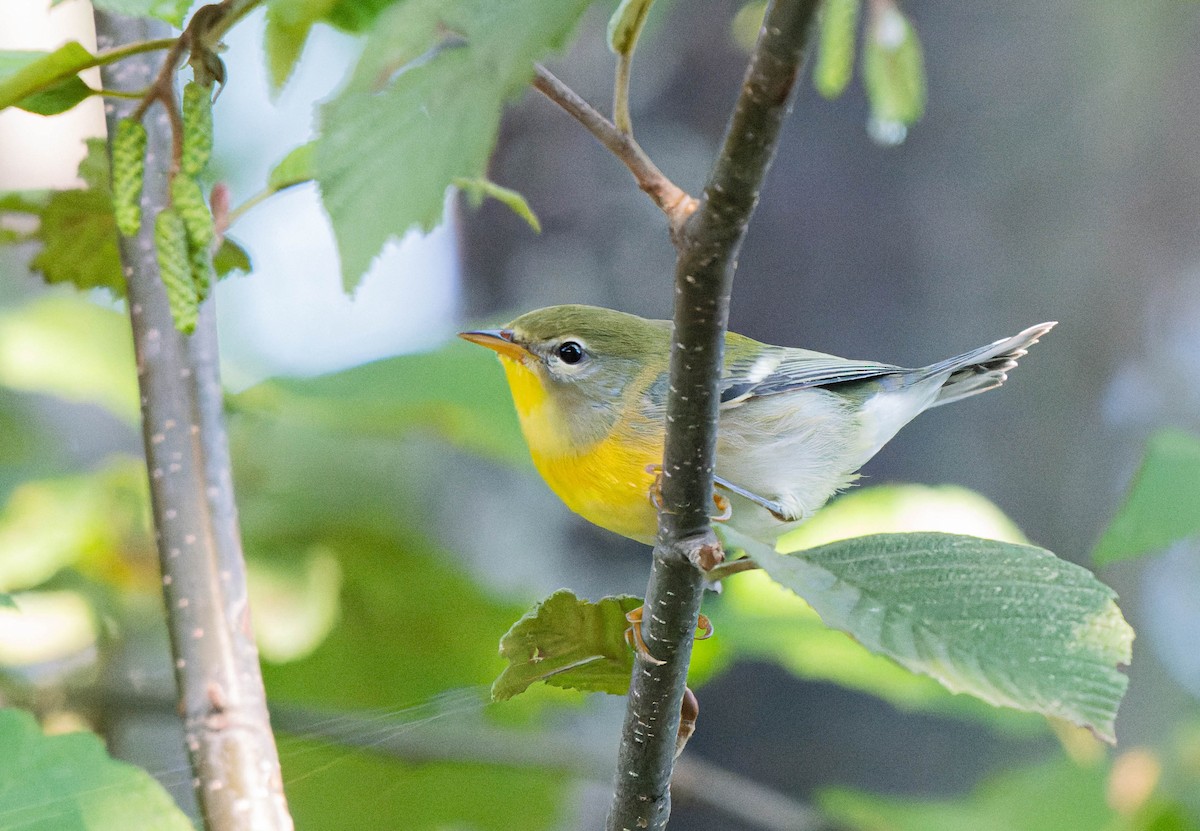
{"type": "Point", "coordinates": [673, 200]}
{"type": "Point", "coordinates": [221, 700]}
{"type": "Point", "coordinates": [709, 243]}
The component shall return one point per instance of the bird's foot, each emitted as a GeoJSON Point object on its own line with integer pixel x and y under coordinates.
{"type": "Point", "coordinates": [723, 505]}
{"type": "Point", "coordinates": [633, 635]}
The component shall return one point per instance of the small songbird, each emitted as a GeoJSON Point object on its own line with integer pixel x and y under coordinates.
{"type": "Point", "coordinates": [590, 388]}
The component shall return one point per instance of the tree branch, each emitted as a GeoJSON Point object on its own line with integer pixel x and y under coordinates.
{"type": "Point", "coordinates": [673, 200]}
{"type": "Point", "coordinates": [226, 726]}
{"type": "Point", "coordinates": [708, 245]}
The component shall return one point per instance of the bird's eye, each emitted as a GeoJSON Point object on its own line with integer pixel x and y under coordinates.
{"type": "Point", "coordinates": [569, 352]}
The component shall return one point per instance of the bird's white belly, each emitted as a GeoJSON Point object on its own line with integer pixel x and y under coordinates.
{"type": "Point", "coordinates": [799, 453]}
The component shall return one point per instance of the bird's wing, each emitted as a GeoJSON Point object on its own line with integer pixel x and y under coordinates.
{"type": "Point", "coordinates": [777, 370]}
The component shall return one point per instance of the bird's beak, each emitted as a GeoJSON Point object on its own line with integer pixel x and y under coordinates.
{"type": "Point", "coordinates": [498, 340]}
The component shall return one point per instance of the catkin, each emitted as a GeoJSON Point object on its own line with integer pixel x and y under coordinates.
{"type": "Point", "coordinates": [200, 264]}
{"type": "Point", "coordinates": [128, 167]}
{"type": "Point", "coordinates": [171, 247]}
{"type": "Point", "coordinates": [197, 129]}
{"type": "Point", "coordinates": [188, 200]}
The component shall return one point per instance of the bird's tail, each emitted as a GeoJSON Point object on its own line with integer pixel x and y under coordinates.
{"type": "Point", "coordinates": [984, 368]}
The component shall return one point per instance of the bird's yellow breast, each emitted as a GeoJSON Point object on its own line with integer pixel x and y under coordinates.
{"type": "Point", "coordinates": [607, 481]}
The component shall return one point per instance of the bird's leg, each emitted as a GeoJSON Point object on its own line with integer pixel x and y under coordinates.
{"type": "Point", "coordinates": [774, 508]}
{"type": "Point", "coordinates": [633, 635]}
{"type": "Point", "coordinates": [724, 506]}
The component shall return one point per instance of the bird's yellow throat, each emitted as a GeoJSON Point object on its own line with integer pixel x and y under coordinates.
{"type": "Point", "coordinates": [605, 482]}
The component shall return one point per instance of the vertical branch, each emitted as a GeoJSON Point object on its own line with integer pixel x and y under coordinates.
{"type": "Point", "coordinates": [231, 749]}
{"type": "Point", "coordinates": [708, 250]}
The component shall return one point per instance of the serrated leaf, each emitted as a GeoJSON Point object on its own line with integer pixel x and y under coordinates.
{"type": "Point", "coordinates": [893, 69]}
{"type": "Point", "coordinates": [79, 232]}
{"type": "Point", "coordinates": [69, 783]}
{"type": "Point", "coordinates": [231, 257]}
{"type": "Point", "coordinates": [568, 642]}
{"type": "Point", "coordinates": [23, 74]}
{"type": "Point", "coordinates": [1010, 624]}
{"type": "Point", "coordinates": [835, 51]}
{"type": "Point", "coordinates": [171, 11]}
{"type": "Point", "coordinates": [626, 24]}
{"type": "Point", "coordinates": [1163, 503]}
{"type": "Point", "coordinates": [759, 617]}
{"type": "Point", "coordinates": [479, 189]}
{"type": "Point", "coordinates": [422, 109]}
{"type": "Point", "coordinates": [79, 236]}
{"type": "Point", "coordinates": [295, 168]}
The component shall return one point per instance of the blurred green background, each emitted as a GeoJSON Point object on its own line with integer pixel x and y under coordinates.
{"type": "Point", "coordinates": [396, 530]}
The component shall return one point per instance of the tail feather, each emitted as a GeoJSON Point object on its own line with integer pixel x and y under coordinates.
{"type": "Point", "coordinates": [985, 368]}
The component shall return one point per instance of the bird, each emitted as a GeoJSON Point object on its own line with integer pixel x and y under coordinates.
{"type": "Point", "coordinates": [590, 388]}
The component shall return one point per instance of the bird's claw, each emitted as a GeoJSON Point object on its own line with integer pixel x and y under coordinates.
{"type": "Point", "coordinates": [724, 506]}
{"type": "Point", "coordinates": [633, 634]}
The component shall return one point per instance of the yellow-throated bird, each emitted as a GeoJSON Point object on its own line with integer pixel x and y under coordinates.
{"type": "Point", "coordinates": [590, 388]}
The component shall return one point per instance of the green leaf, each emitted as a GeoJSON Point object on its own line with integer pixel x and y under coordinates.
{"type": "Point", "coordinates": [288, 25]}
{"type": "Point", "coordinates": [835, 53]}
{"type": "Point", "coordinates": [231, 257]}
{"type": "Point", "coordinates": [423, 109]}
{"type": "Point", "coordinates": [357, 15]}
{"type": "Point", "coordinates": [758, 617]}
{"type": "Point", "coordinates": [79, 232]}
{"type": "Point", "coordinates": [58, 98]}
{"type": "Point", "coordinates": [1054, 796]}
{"type": "Point", "coordinates": [571, 643]}
{"type": "Point", "coordinates": [295, 168]}
{"type": "Point", "coordinates": [1163, 503]}
{"type": "Point", "coordinates": [171, 11]}
{"type": "Point", "coordinates": [69, 783]}
{"type": "Point", "coordinates": [6, 601]}
{"type": "Point", "coordinates": [1010, 624]}
{"type": "Point", "coordinates": [67, 346]}
{"type": "Point", "coordinates": [24, 74]}
{"type": "Point", "coordinates": [479, 189]}
{"type": "Point", "coordinates": [626, 24]}
{"type": "Point", "coordinates": [893, 72]}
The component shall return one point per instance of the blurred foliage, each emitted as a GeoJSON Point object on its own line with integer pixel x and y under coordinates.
{"type": "Point", "coordinates": [1128, 794]}
{"type": "Point", "coordinates": [356, 603]}
{"type": "Point", "coordinates": [1163, 503]}
{"type": "Point", "coordinates": [69, 783]}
